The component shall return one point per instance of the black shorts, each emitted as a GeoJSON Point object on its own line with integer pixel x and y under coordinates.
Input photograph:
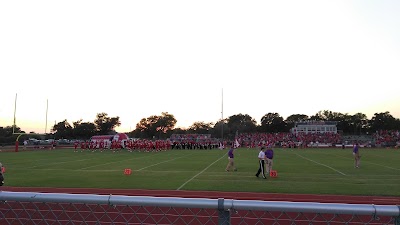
{"type": "Point", "coordinates": [1, 179]}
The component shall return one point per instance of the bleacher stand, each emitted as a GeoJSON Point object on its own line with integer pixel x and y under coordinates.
{"type": "Point", "coordinates": [387, 138]}
{"type": "Point", "coordinates": [193, 141]}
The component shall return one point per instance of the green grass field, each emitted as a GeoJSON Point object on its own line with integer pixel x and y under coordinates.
{"type": "Point", "coordinates": [310, 171]}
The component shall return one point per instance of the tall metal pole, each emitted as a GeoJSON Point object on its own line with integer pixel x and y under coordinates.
{"type": "Point", "coordinates": [47, 109]}
{"type": "Point", "coordinates": [15, 110]}
{"type": "Point", "coordinates": [222, 115]}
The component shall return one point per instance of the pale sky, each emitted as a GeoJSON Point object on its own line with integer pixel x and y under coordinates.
{"type": "Point", "coordinates": [135, 59]}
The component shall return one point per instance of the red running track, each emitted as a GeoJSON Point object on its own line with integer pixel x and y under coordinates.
{"type": "Point", "coordinates": [377, 200]}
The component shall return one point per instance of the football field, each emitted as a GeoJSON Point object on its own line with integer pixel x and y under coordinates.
{"type": "Point", "coordinates": [300, 171]}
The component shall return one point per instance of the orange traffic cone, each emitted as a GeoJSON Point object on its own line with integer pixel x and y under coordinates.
{"type": "Point", "coordinates": [127, 171]}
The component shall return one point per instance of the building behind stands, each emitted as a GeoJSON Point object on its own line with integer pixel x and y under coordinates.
{"type": "Point", "coordinates": [311, 126]}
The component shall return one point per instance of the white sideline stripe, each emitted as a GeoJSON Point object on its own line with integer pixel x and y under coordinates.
{"type": "Point", "coordinates": [379, 176]}
{"type": "Point", "coordinates": [84, 168]}
{"type": "Point", "coordinates": [320, 164]}
{"type": "Point", "coordinates": [277, 181]}
{"type": "Point", "coordinates": [201, 172]}
{"type": "Point", "coordinates": [297, 182]}
{"type": "Point", "coordinates": [162, 162]}
{"type": "Point", "coordinates": [57, 163]}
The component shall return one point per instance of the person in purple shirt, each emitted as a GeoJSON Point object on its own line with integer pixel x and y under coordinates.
{"type": "Point", "coordinates": [357, 156]}
{"type": "Point", "coordinates": [231, 163]}
{"type": "Point", "coordinates": [269, 155]}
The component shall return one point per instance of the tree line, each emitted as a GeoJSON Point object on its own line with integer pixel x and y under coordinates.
{"type": "Point", "coordinates": [163, 126]}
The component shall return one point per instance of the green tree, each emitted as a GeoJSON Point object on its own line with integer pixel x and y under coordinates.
{"type": "Point", "coordinates": [343, 120]}
{"type": "Point", "coordinates": [178, 130]}
{"type": "Point", "coordinates": [62, 130]}
{"type": "Point", "coordinates": [201, 127]}
{"type": "Point", "coordinates": [105, 124]}
{"type": "Point", "coordinates": [292, 119]}
{"type": "Point", "coordinates": [221, 129]}
{"type": "Point", "coordinates": [327, 115]}
{"type": "Point", "coordinates": [317, 117]}
{"type": "Point", "coordinates": [165, 122]}
{"type": "Point", "coordinates": [8, 131]}
{"type": "Point", "coordinates": [383, 121]}
{"type": "Point", "coordinates": [156, 126]}
{"type": "Point", "coordinates": [242, 124]}
{"type": "Point", "coordinates": [7, 137]}
{"type": "Point", "coordinates": [273, 122]}
{"type": "Point", "coordinates": [84, 130]}
{"type": "Point", "coordinates": [358, 122]}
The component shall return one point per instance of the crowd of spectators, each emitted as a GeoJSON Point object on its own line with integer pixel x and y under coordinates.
{"type": "Point", "coordinates": [130, 145]}
{"type": "Point", "coordinates": [289, 140]}
{"type": "Point", "coordinates": [193, 141]}
{"type": "Point", "coordinates": [192, 137]}
{"type": "Point", "coordinates": [253, 140]}
{"type": "Point", "coordinates": [382, 138]}
{"type": "Point", "coordinates": [387, 138]}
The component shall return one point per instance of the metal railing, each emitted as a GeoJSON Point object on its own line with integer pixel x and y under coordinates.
{"type": "Point", "coordinates": [88, 209]}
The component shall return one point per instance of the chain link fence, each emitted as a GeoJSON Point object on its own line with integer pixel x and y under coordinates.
{"type": "Point", "coordinates": [87, 209]}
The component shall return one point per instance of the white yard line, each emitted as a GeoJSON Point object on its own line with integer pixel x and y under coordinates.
{"type": "Point", "coordinates": [320, 164]}
{"type": "Point", "coordinates": [364, 161]}
{"type": "Point", "coordinates": [163, 162]}
{"type": "Point", "coordinates": [201, 172]}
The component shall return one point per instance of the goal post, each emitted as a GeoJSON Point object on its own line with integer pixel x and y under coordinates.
{"type": "Point", "coordinates": [26, 104]}
{"type": "Point", "coordinates": [17, 140]}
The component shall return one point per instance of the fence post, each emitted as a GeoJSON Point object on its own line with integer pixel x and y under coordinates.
{"type": "Point", "coordinates": [397, 219]}
{"type": "Point", "coordinates": [224, 217]}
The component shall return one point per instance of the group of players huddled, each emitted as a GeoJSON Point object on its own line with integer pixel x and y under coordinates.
{"type": "Point", "coordinates": [175, 142]}
{"type": "Point", "coordinates": [142, 145]}
{"type": "Point", "coordinates": [117, 145]}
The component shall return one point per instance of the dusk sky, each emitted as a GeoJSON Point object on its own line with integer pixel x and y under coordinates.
{"type": "Point", "coordinates": [135, 59]}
